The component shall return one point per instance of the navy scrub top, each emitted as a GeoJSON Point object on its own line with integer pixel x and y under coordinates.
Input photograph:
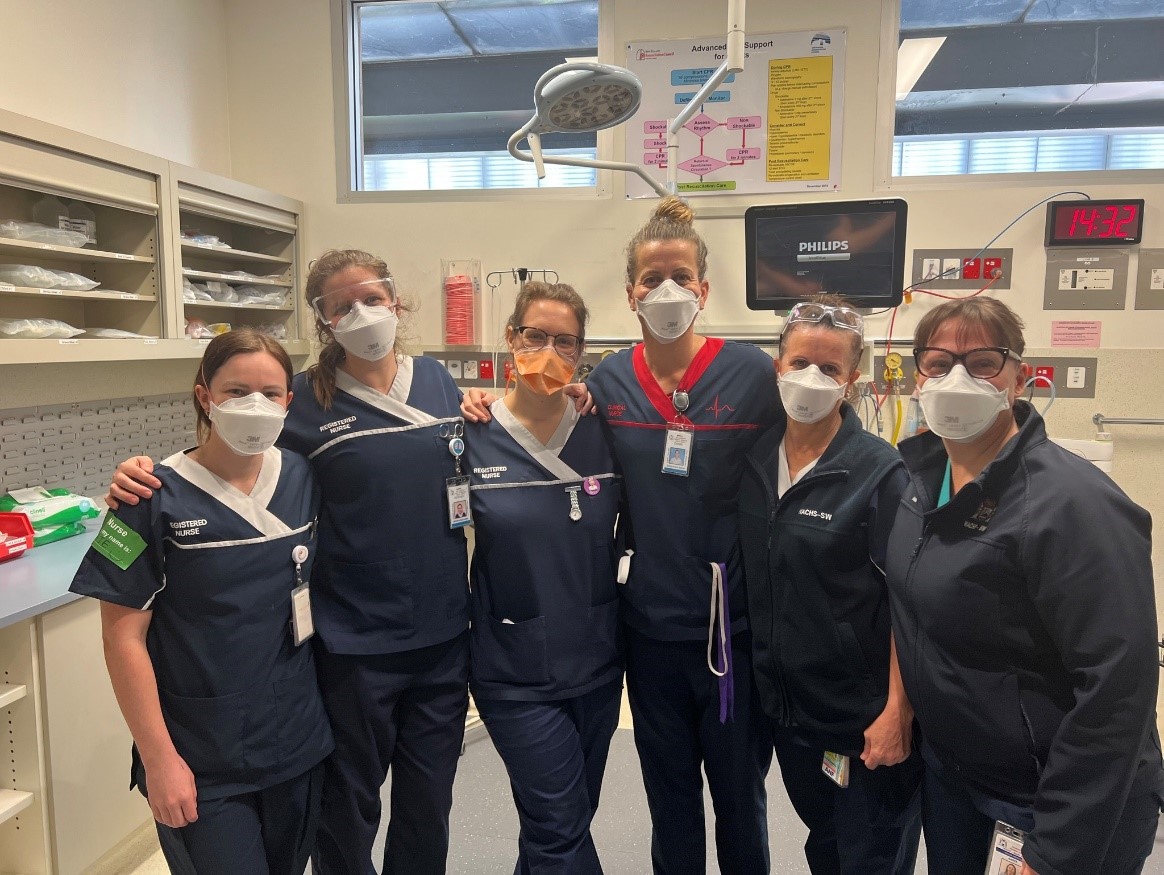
{"type": "Point", "coordinates": [391, 575]}
{"type": "Point", "coordinates": [240, 700]}
{"type": "Point", "coordinates": [681, 525]}
{"type": "Point", "coordinates": [544, 601]}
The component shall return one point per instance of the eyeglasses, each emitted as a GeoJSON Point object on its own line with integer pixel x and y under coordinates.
{"type": "Point", "coordinates": [370, 293]}
{"type": "Point", "coordinates": [840, 317]}
{"type": "Point", "coordinates": [985, 363]}
{"type": "Point", "coordinates": [566, 345]}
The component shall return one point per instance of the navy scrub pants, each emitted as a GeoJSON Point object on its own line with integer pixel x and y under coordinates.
{"type": "Point", "coordinates": [268, 832]}
{"type": "Point", "coordinates": [958, 822]}
{"type": "Point", "coordinates": [674, 701]}
{"type": "Point", "coordinates": [870, 827]}
{"type": "Point", "coordinates": [555, 753]}
{"type": "Point", "coordinates": [399, 711]}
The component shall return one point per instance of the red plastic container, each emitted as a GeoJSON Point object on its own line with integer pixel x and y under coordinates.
{"type": "Point", "coordinates": [15, 535]}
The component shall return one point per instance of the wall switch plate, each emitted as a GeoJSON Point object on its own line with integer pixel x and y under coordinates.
{"type": "Point", "coordinates": [1076, 377]}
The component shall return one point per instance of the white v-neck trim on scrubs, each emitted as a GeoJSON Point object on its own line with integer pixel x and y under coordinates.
{"type": "Point", "coordinates": [252, 507]}
{"type": "Point", "coordinates": [547, 454]}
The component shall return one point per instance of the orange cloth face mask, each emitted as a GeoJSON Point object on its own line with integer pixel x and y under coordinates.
{"type": "Point", "coordinates": [543, 370]}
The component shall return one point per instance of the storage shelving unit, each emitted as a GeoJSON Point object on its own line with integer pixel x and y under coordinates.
{"type": "Point", "coordinates": [141, 204]}
{"type": "Point", "coordinates": [262, 232]}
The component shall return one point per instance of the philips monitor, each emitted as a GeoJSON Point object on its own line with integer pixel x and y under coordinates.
{"type": "Point", "coordinates": [850, 248]}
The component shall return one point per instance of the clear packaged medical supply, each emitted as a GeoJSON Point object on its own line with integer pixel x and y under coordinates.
{"type": "Point", "coordinates": [117, 334]}
{"type": "Point", "coordinates": [261, 295]}
{"type": "Point", "coordinates": [38, 329]}
{"type": "Point", "coordinates": [46, 508]}
{"type": "Point", "coordinates": [210, 241]}
{"type": "Point", "coordinates": [196, 329]}
{"type": "Point", "coordinates": [35, 277]}
{"type": "Point", "coordinates": [217, 328]}
{"type": "Point", "coordinates": [221, 292]}
{"type": "Point", "coordinates": [276, 330]}
{"type": "Point", "coordinates": [34, 232]}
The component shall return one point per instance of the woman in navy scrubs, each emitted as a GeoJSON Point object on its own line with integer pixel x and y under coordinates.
{"type": "Point", "coordinates": [199, 585]}
{"type": "Point", "coordinates": [546, 667]}
{"type": "Point", "coordinates": [689, 668]}
{"type": "Point", "coordinates": [816, 503]}
{"type": "Point", "coordinates": [390, 592]}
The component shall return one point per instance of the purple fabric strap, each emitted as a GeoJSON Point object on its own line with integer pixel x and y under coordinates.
{"type": "Point", "coordinates": [723, 656]}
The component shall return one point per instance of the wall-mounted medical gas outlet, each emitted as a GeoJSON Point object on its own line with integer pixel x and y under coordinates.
{"type": "Point", "coordinates": [1150, 282]}
{"type": "Point", "coordinates": [941, 269]}
{"type": "Point", "coordinates": [1086, 279]}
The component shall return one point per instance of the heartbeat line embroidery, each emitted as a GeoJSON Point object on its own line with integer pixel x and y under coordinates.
{"type": "Point", "coordinates": [718, 408]}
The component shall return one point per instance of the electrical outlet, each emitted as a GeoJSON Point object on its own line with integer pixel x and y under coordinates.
{"type": "Point", "coordinates": [470, 369]}
{"type": "Point", "coordinates": [931, 267]}
{"type": "Point", "coordinates": [1076, 378]}
{"type": "Point", "coordinates": [951, 269]}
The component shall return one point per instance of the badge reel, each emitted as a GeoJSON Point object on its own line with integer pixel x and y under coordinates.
{"type": "Point", "coordinates": [302, 625]}
{"type": "Point", "coordinates": [680, 438]}
{"type": "Point", "coordinates": [457, 488]}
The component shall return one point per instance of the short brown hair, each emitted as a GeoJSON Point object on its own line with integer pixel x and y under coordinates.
{"type": "Point", "coordinates": [539, 291]}
{"type": "Point", "coordinates": [828, 300]}
{"type": "Point", "coordinates": [998, 322]}
{"type": "Point", "coordinates": [672, 219]}
{"type": "Point", "coordinates": [221, 350]}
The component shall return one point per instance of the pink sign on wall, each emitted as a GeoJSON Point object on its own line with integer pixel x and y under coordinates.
{"type": "Point", "coordinates": [1075, 333]}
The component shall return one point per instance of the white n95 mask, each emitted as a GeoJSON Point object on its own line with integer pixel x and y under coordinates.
{"type": "Point", "coordinates": [809, 395]}
{"type": "Point", "coordinates": [959, 407]}
{"type": "Point", "coordinates": [248, 425]}
{"type": "Point", "coordinates": [668, 310]}
{"type": "Point", "coordinates": [368, 333]}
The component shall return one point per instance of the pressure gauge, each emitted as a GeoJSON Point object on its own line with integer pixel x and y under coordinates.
{"type": "Point", "coordinates": [893, 361]}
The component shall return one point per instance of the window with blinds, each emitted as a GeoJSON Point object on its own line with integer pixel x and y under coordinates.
{"type": "Point", "coordinates": [440, 85]}
{"type": "Point", "coordinates": [1028, 153]}
{"type": "Point", "coordinates": [1014, 86]}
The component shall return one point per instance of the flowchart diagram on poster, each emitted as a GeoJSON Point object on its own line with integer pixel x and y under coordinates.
{"type": "Point", "coordinates": [775, 127]}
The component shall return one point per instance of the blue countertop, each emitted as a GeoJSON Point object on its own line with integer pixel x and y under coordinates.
{"type": "Point", "coordinates": [38, 580]}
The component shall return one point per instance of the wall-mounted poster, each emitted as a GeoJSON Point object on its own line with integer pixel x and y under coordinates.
{"type": "Point", "coordinates": [775, 127]}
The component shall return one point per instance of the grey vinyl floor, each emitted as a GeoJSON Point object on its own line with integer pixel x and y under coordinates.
{"type": "Point", "coordinates": [484, 823]}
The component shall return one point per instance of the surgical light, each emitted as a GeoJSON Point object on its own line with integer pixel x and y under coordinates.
{"type": "Point", "coordinates": [588, 96]}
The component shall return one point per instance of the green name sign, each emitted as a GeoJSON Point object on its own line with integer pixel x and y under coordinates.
{"type": "Point", "coordinates": [118, 543]}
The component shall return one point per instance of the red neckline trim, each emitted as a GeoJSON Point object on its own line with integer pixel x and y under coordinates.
{"type": "Point", "coordinates": [659, 399]}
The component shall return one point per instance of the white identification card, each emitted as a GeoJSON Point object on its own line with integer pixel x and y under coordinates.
{"type": "Point", "coordinates": [677, 449]}
{"type": "Point", "coordinates": [460, 513]}
{"type": "Point", "coordinates": [302, 626]}
{"type": "Point", "coordinates": [836, 767]}
{"type": "Point", "coordinates": [1006, 850]}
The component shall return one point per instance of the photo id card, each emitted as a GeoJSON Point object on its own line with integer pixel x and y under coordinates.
{"type": "Point", "coordinates": [677, 449]}
{"type": "Point", "coordinates": [460, 513]}
{"type": "Point", "coordinates": [1006, 850]}
{"type": "Point", "coordinates": [302, 625]}
{"type": "Point", "coordinates": [836, 767]}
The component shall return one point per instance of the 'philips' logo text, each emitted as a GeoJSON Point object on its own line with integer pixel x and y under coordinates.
{"type": "Point", "coordinates": [824, 246]}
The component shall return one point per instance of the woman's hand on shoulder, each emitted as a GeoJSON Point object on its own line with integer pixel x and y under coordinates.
{"type": "Point", "coordinates": [475, 405]}
{"type": "Point", "coordinates": [132, 481]}
{"type": "Point", "coordinates": [583, 400]}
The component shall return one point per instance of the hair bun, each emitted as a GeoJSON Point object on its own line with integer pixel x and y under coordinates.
{"type": "Point", "coordinates": [674, 209]}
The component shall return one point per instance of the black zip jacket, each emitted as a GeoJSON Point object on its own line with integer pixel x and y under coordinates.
{"type": "Point", "coordinates": [1025, 621]}
{"type": "Point", "coordinates": [817, 603]}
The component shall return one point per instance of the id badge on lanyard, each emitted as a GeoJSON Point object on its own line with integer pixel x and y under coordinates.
{"type": "Point", "coordinates": [1006, 850]}
{"type": "Point", "coordinates": [680, 442]}
{"type": "Point", "coordinates": [302, 624]}
{"type": "Point", "coordinates": [457, 488]}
